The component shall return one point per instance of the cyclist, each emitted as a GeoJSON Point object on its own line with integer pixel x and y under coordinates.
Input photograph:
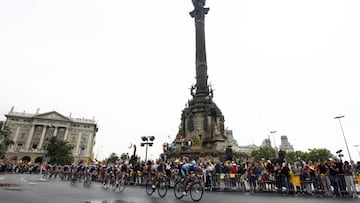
{"type": "Point", "coordinates": [154, 173]}
{"type": "Point", "coordinates": [123, 170]}
{"type": "Point", "coordinates": [185, 173]}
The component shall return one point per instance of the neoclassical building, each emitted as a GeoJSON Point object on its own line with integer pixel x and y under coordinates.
{"type": "Point", "coordinates": [30, 132]}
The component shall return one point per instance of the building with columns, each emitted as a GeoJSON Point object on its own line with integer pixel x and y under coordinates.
{"type": "Point", "coordinates": [30, 130]}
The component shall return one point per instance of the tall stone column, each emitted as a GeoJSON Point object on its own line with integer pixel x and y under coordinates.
{"type": "Point", "coordinates": [77, 149]}
{"type": "Point", "coordinates": [17, 132]}
{"type": "Point", "coordinates": [66, 134]}
{"type": "Point", "coordinates": [55, 131]}
{"type": "Point", "coordinates": [28, 141]}
{"type": "Point", "coordinates": [198, 14]}
{"type": "Point", "coordinates": [42, 137]}
{"type": "Point", "coordinates": [89, 144]}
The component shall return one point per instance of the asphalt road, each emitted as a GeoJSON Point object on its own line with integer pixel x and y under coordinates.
{"type": "Point", "coordinates": [31, 189]}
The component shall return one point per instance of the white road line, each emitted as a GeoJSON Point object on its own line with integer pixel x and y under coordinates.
{"type": "Point", "coordinates": [2, 178]}
{"type": "Point", "coordinates": [25, 181]}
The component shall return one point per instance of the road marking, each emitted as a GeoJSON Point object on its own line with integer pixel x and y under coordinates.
{"type": "Point", "coordinates": [2, 178]}
{"type": "Point", "coordinates": [25, 181]}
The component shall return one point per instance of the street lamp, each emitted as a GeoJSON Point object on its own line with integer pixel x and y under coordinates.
{"type": "Point", "coordinates": [147, 141]}
{"type": "Point", "coordinates": [342, 130]}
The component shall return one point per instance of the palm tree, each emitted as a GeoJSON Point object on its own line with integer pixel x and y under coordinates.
{"type": "Point", "coordinates": [5, 140]}
{"type": "Point", "coordinates": [59, 152]}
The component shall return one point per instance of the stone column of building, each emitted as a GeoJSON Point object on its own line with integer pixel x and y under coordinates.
{"type": "Point", "coordinates": [55, 131]}
{"type": "Point", "coordinates": [42, 137]}
{"type": "Point", "coordinates": [17, 132]}
{"type": "Point", "coordinates": [77, 149]}
{"type": "Point", "coordinates": [89, 144]}
{"type": "Point", "coordinates": [28, 141]}
{"type": "Point", "coordinates": [66, 134]}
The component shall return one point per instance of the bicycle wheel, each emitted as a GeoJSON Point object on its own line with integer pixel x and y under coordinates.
{"type": "Point", "coordinates": [73, 179]}
{"type": "Point", "coordinates": [108, 184]}
{"type": "Point", "coordinates": [162, 188]}
{"type": "Point", "coordinates": [115, 186]}
{"type": "Point", "coordinates": [178, 190]}
{"type": "Point", "coordinates": [121, 185]}
{"type": "Point", "coordinates": [149, 189]}
{"type": "Point", "coordinates": [87, 181]}
{"type": "Point", "coordinates": [196, 191]}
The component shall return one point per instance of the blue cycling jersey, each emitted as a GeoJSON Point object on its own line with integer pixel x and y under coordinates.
{"type": "Point", "coordinates": [187, 167]}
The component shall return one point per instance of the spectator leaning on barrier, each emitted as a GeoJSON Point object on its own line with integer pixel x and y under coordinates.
{"type": "Point", "coordinates": [295, 179]}
{"type": "Point", "coordinates": [357, 170]}
{"type": "Point", "coordinates": [233, 170]}
{"type": "Point", "coordinates": [323, 170]}
{"type": "Point", "coordinates": [285, 174]}
{"type": "Point", "coordinates": [349, 180]}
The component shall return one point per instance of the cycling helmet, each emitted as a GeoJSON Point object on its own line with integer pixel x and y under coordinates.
{"type": "Point", "coordinates": [193, 163]}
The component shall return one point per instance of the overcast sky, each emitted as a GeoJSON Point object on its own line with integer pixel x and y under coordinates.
{"type": "Point", "coordinates": [283, 65]}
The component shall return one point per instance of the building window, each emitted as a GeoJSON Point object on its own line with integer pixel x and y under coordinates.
{"type": "Point", "coordinates": [73, 138]}
{"type": "Point", "coordinates": [18, 147]}
{"type": "Point", "coordinates": [34, 146]}
{"type": "Point", "coordinates": [22, 135]}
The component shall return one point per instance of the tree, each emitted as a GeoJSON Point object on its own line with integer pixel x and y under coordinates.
{"type": "Point", "coordinates": [313, 155]}
{"type": "Point", "coordinates": [113, 158]}
{"type": "Point", "coordinates": [262, 152]}
{"type": "Point", "coordinates": [296, 156]}
{"type": "Point", "coordinates": [59, 152]}
{"type": "Point", "coordinates": [5, 140]}
{"type": "Point", "coordinates": [124, 156]}
{"type": "Point", "coordinates": [316, 154]}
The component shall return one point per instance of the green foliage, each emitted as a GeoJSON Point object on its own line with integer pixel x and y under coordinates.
{"type": "Point", "coordinates": [113, 158]}
{"type": "Point", "coordinates": [262, 152]}
{"type": "Point", "coordinates": [124, 156]}
{"type": "Point", "coordinates": [296, 156]}
{"type": "Point", "coordinates": [5, 136]}
{"type": "Point", "coordinates": [59, 152]}
{"type": "Point", "coordinates": [5, 140]}
{"type": "Point", "coordinates": [312, 155]}
{"type": "Point", "coordinates": [2, 150]}
{"type": "Point", "coordinates": [316, 154]}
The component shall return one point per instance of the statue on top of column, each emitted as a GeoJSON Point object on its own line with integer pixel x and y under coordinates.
{"type": "Point", "coordinates": [198, 3]}
{"type": "Point", "coordinates": [199, 10]}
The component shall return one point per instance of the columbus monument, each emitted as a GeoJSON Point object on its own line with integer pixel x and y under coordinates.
{"type": "Point", "coordinates": [201, 132]}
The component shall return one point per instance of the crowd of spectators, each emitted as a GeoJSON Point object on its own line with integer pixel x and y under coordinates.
{"type": "Point", "coordinates": [13, 166]}
{"type": "Point", "coordinates": [332, 177]}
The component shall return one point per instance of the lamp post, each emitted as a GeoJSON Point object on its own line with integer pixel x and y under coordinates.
{"type": "Point", "coordinates": [342, 130]}
{"type": "Point", "coordinates": [147, 141]}
{"type": "Point", "coordinates": [273, 132]}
